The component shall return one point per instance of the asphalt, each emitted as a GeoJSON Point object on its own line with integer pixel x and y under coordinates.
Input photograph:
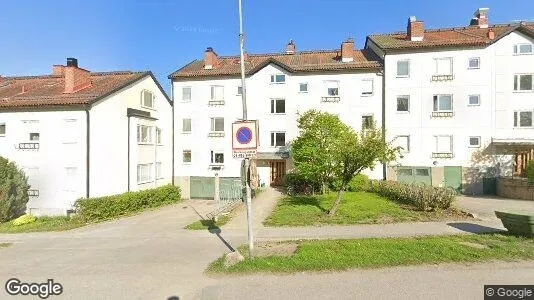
{"type": "Point", "coordinates": [151, 256]}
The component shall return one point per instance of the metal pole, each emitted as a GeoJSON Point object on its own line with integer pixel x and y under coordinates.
{"type": "Point", "coordinates": [246, 162]}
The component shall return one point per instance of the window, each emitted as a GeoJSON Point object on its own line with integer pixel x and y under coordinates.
{"type": "Point", "coordinates": [443, 143]}
{"type": "Point", "coordinates": [278, 106]}
{"type": "Point", "coordinates": [147, 99]}
{"type": "Point", "coordinates": [217, 124]}
{"type": "Point", "coordinates": [144, 173]}
{"type": "Point", "coordinates": [403, 142]}
{"type": "Point", "coordinates": [474, 99]}
{"type": "Point", "coordinates": [332, 88]}
{"type": "Point", "coordinates": [278, 139]}
{"type": "Point", "coordinates": [217, 93]}
{"type": "Point", "coordinates": [367, 122]}
{"type": "Point", "coordinates": [186, 125]}
{"type": "Point", "coordinates": [144, 134]}
{"type": "Point", "coordinates": [33, 193]}
{"type": "Point", "coordinates": [405, 172]}
{"type": "Point", "coordinates": [403, 103]}
{"type": "Point", "coordinates": [443, 103]}
{"type": "Point", "coordinates": [474, 63]}
{"type": "Point", "coordinates": [158, 136]}
{"type": "Point", "coordinates": [186, 156]}
{"type": "Point", "coordinates": [70, 181]}
{"type": "Point", "coordinates": [2, 129]}
{"type": "Point", "coordinates": [523, 119]}
{"type": "Point", "coordinates": [240, 90]}
{"type": "Point", "coordinates": [159, 171]}
{"type": "Point", "coordinates": [422, 172]}
{"type": "Point", "coordinates": [217, 157]}
{"type": "Point", "coordinates": [186, 94]}
{"type": "Point", "coordinates": [70, 131]}
{"type": "Point", "coordinates": [443, 66]}
{"type": "Point", "coordinates": [474, 141]}
{"type": "Point", "coordinates": [403, 68]}
{"type": "Point", "coordinates": [523, 82]}
{"type": "Point", "coordinates": [367, 87]}
{"type": "Point", "coordinates": [303, 87]}
{"type": "Point", "coordinates": [523, 49]}
{"type": "Point", "coordinates": [34, 136]}
{"type": "Point", "coordinates": [279, 78]}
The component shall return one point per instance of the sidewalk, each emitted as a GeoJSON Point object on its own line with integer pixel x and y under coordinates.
{"type": "Point", "coordinates": [262, 206]}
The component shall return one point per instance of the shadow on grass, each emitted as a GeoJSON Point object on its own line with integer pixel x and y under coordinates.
{"type": "Point", "coordinates": [306, 201]}
{"type": "Point", "coordinates": [475, 228]}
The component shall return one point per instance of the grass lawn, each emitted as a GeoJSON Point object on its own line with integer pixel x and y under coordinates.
{"type": "Point", "coordinates": [330, 255]}
{"type": "Point", "coordinates": [355, 208]}
{"type": "Point", "coordinates": [208, 224]}
{"type": "Point", "coordinates": [42, 224]}
{"type": "Point", "coordinates": [4, 245]}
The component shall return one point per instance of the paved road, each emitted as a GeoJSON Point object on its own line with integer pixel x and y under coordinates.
{"type": "Point", "coordinates": [485, 207]}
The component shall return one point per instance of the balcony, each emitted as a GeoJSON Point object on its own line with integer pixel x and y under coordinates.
{"type": "Point", "coordinates": [442, 78]}
{"type": "Point", "coordinates": [442, 155]}
{"type": "Point", "coordinates": [442, 114]}
{"type": "Point", "coordinates": [216, 134]}
{"type": "Point", "coordinates": [28, 146]}
{"type": "Point", "coordinates": [331, 99]}
{"type": "Point", "coordinates": [216, 102]}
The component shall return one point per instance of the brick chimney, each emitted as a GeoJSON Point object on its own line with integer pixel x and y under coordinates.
{"type": "Point", "coordinates": [210, 59]}
{"type": "Point", "coordinates": [75, 78]}
{"type": "Point", "coordinates": [291, 48]}
{"type": "Point", "coordinates": [415, 30]}
{"type": "Point", "coordinates": [491, 34]}
{"type": "Point", "coordinates": [58, 70]}
{"type": "Point", "coordinates": [347, 50]}
{"type": "Point", "coordinates": [480, 18]}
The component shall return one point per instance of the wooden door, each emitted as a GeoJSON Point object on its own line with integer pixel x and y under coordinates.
{"type": "Point", "coordinates": [278, 170]}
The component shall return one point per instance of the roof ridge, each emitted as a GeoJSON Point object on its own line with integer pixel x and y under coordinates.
{"type": "Point", "coordinates": [452, 28]}
{"type": "Point", "coordinates": [105, 73]}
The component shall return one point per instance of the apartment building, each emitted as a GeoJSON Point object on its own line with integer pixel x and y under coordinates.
{"type": "Point", "coordinates": [77, 133]}
{"type": "Point", "coordinates": [459, 101]}
{"type": "Point", "coordinates": [207, 93]}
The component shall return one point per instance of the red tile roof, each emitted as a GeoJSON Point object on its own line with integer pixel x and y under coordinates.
{"type": "Point", "coordinates": [304, 61]}
{"type": "Point", "coordinates": [49, 90]}
{"type": "Point", "coordinates": [449, 37]}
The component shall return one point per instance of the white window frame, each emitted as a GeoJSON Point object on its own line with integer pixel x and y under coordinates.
{"type": "Point", "coordinates": [3, 124]}
{"type": "Point", "coordinates": [140, 140]}
{"type": "Point", "coordinates": [275, 78]}
{"type": "Point", "coordinates": [469, 100]}
{"type": "Point", "coordinates": [143, 102]}
{"type": "Point", "coordinates": [274, 135]}
{"type": "Point", "coordinates": [159, 173]}
{"type": "Point", "coordinates": [364, 117]}
{"type": "Point", "coordinates": [190, 125]}
{"type": "Point", "coordinates": [190, 94]}
{"type": "Point", "coordinates": [436, 65]}
{"type": "Point", "coordinates": [397, 106]}
{"type": "Point", "coordinates": [367, 93]}
{"type": "Point", "coordinates": [397, 71]}
{"type": "Point", "coordinates": [437, 109]}
{"type": "Point", "coordinates": [517, 49]}
{"type": "Point", "coordinates": [517, 83]}
{"type": "Point", "coordinates": [190, 156]}
{"type": "Point", "coordinates": [469, 67]}
{"type": "Point", "coordinates": [213, 93]}
{"type": "Point", "coordinates": [451, 145]}
{"type": "Point", "coordinates": [213, 157]}
{"type": "Point", "coordinates": [477, 145]}
{"type": "Point", "coordinates": [149, 178]}
{"type": "Point", "coordinates": [300, 87]}
{"type": "Point", "coordinates": [213, 123]}
{"type": "Point", "coordinates": [407, 136]}
{"type": "Point", "coordinates": [517, 118]}
{"type": "Point", "coordinates": [159, 136]}
{"type": "Point", "coordinates": [274, 111]}
{"type": "Point", "coordinates": [332, 84]}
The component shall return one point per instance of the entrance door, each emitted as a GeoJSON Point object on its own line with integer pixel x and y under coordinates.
{"type": "Point", "coordinates": [453, 177]}
{"type": "Point", "coordinates": [278, 170]}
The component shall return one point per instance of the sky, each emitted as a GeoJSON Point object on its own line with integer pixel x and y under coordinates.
{"type": "Point", "coordinates": [164, 35]}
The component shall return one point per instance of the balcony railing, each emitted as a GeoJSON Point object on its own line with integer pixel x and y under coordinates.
{"type": "Point", "coordinates": [29, 146]}
{"type": "Point", "coordinates": [442, 78]}
{"type": "Point", "coordinates": [442, 155]}
{"type": "Point", "coordinates": [442, 114]}
{"type": "Point", "coordinates": [215, 102]}
{"type": "Point", "coordinates": [331, 99]}
{"type": "Point", "coordinates": [216, 134]}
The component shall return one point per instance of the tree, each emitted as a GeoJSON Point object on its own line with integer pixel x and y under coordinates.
{"type": "Point", "coordinates": [313, 151]}
{"type": "Point", "coordinates": [13, 191]}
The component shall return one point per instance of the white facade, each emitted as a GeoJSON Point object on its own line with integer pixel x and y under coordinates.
{"type": "Point", "coordinates": [352, 106]}
{"type": "Point", "coordinates": [57, 171]}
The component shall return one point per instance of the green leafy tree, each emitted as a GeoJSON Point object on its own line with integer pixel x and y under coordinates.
{"type": "Point", "coordinates": [13, 191]}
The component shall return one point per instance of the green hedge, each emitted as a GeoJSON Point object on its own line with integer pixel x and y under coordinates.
{"type": "Point", "coordinates": [530, 171]}
{"type": "Point", "coordinates": [423, 197]}
{"type": "Point", "coordinates": [110, 207]}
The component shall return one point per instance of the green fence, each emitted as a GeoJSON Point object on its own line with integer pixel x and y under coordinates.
{"type": "Point", "coordinates": [204, 188]}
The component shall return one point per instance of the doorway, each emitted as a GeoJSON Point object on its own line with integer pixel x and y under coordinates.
{"type": "Point", "coordinates": [278, 170]}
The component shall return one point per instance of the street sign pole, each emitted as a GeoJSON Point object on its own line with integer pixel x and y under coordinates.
{"type": "Point", "coordinates": [246, 161]}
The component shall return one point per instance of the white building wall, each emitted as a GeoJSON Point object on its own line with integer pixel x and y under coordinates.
{"type": "Point", "coordinates": [58, 168]}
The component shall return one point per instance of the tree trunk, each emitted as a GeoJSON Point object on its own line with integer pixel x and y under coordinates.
{"type": "Point", "coordinates": [338, 200]}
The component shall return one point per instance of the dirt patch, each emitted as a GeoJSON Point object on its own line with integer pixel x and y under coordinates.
{"type": "Point", "coordinates": [474, 245]}
{"type": "Point", "coordinates": [275, 249]}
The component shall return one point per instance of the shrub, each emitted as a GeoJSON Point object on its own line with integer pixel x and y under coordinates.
{"type": "Point", "coordinates": [13, 191]}
{"type": "Point", "coordinates": [359, 183]}
{"type": "Point", "coordinates": [298, 184]}
{"type": "Point", "coordinates": [110, 207]}
{"type": "Point", "coordinates": [423, 197]}
{"type": "Point", "coordinates": [24, 219]}
{"type": "Point", "coordinates": [530, 171]}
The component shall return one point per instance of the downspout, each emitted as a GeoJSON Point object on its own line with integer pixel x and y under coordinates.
{"type": "Point", "coordinates": [155, 155]}
{"type": "Point", "coordinates": [172, 140]}
{"type": "Point", "coordinates": [128, 155]}
{"type": "Point", "coordinates": [384, 166]}
{"type": "Point", "coordinates": [87, 153]}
